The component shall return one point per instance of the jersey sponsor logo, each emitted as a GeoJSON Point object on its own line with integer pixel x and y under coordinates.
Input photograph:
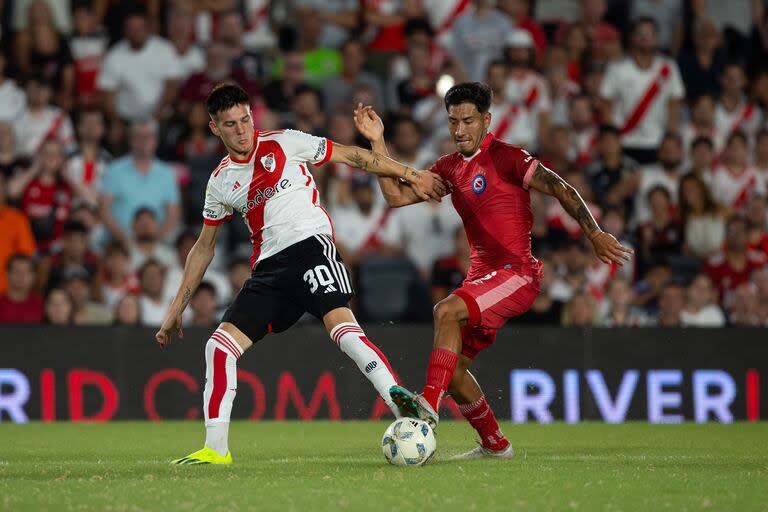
{"type": "Point", "coordinates": [211, 214]}
{"type": "Point", "coordinates": [320, 150]}
{"type": "Point", "coordinates": [265, 194]}
{"type": "Point", "coordinates": [479, 183]}
{"type": "Point", "coordinates": [484, 278]}
{"type": "Point", "coordinates": [268, 162]}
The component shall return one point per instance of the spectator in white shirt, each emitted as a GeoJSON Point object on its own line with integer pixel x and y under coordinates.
{"type": "Point", "coordinates": [180, 34]}
{"type": "Point", "coordinates": [12, 99]}
{"type": "Point", "coordinates": [478, 37]}
{"type": "Point", "coordinates": [203, 307]}
{"type": "Point", "coordinates": [41, 120]}
{"type": "Point", "coordinates": [641, 94]}
{"type": "Point", "coordinates": [140, 75]}
{"type": "Point", "coordinates": [701, 309]}
{"type": "Point", "coordinates": [184, 243]}
{"type": "Point", "coordinates": [152, 303]}
{"type": "Point", "coordinates": [146, 242]}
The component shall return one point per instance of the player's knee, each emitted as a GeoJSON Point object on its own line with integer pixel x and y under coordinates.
{"type": "Point", "coordinates": [446, 311]}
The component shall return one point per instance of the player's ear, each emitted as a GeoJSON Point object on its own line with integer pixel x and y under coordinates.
{"type": "Point", "coordinates": [214, 128]}
{"type": "Point", "coordinates": [487, 119]}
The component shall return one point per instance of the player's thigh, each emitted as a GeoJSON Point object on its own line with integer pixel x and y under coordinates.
{"type": "Point", "coordinates": [262, 307]}
{"type": "Point", "coordinates": [495, 298]}
{"type": "Point", "coordinates": [323, 283]}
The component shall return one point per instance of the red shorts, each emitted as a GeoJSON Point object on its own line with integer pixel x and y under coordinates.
{"type": "Point", "coordinates": [492, 300]}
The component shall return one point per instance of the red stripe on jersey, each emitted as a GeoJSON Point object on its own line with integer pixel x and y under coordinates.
{"type": "Point", "coordinates": [221, 165]}
{"type": "Point", "coordinates": [216, 222]}
{"type": "Point", "coordinates": [328, 153]}
{"type": "Point", "coordinates": [306, 174]}
{"type": "Point", "coordinates": [219, 382]}
{"type": "Point", "coordinates": [447, 23]}
{"type": "Point", "coordinates": [89, 171]}
{"type": "Point", "coordinates": [262, 179]}
{"type": "Point", "coordinates": [642, 106]}
{"type": "Point", "coordinates": [333, 232]}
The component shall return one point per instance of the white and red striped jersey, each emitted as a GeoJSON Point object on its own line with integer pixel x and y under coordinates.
{"type": "Point", "coordinates": [746, 117]}
{"type": "Point", "coordinates": [32, 129]}
{"type": "Point", "coordinates": [640, 98]}
{"type": "Point", "coordinates": [272, 190]}
{"type": "Point", "coordinates": [509, 123]}
{"type": "Point", "coordinates": [530, 94]}
{"type": "Point", "coordinates": [87, 171]}
{"type": "Point", "coordinates": [442, 14]}
{"type": "Point", "coordinates": [690, 132]}
{"type": "Point", "coordinates": [732, 190]}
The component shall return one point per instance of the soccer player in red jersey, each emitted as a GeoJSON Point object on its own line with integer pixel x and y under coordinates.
{"type": "Point", "coordinates": [490, 182]}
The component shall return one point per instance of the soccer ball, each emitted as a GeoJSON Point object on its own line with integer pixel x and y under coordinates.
{"type": "Point", "coordinates": [408, 442]}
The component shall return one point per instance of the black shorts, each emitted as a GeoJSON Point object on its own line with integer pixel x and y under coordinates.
{"type": "Point", "coordinates": [309, 276]}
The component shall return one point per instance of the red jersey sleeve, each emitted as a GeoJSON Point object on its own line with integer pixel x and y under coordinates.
{"type": "Point", "coordinates": [439, 167]}
{"type": "Point", "coordinates": [515, 165]}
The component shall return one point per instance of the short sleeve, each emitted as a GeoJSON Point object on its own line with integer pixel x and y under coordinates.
{"type": "Point", "coordinates": [109, 76]}
{"type": "Point", "coordinates": [440, 168]}
{"type": "Point", "coordinates": [173, 70]}
{"type": "Point", "coordinates": [215, 211]}
{"type": "Point", "coordinates": [516, 166]}
{"type": "Point", "coordinates": [305, 147]}
{"type": "Point", "coordinates": [608, 89]}
{"type": "Point", "coordinates": [677, 89]}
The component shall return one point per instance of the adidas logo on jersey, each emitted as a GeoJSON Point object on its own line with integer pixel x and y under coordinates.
{"type": "Point", "coordinates": [264, 194]}
{"type": "Point", "coordinates": [236, 186]}
{"type": "Point", "coordinates": [330, 288]}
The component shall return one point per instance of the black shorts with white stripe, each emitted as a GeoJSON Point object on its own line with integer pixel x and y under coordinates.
{"type": "Point", "coordinates": [309, 276]}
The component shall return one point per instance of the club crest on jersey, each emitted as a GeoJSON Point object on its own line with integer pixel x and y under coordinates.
{"type": "Point", "coordinates": [478, 184]}
{"type": "Point", "coordinates": [268, 162]}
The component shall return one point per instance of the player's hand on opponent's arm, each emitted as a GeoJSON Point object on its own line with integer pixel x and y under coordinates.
{"type": "Point", "coordinates": [608, 249]}
{"type": "Point", "coordinates": [427, 185]}
{"type": "Point", "coordinates": [171, 325]}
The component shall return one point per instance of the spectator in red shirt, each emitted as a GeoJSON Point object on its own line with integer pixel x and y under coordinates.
{"type": "Point", "coordinates": [732, 266]}
{"type": "Point", "coordinates": [756, 212]}
{"type": "Point", "coordinates": [20, 305]}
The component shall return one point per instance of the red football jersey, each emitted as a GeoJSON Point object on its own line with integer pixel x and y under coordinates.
{"type": "Point", "coordinates": [490, 193]}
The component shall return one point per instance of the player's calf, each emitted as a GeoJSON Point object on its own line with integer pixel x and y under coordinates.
{"type": "Point", "coordinates": [479, 414]}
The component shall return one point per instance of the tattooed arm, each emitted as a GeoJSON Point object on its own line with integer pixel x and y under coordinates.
{"type": "Point", "coordinates": [425, 184]}
{"type": "Point", "coordinates": [197, 262]}
{"type": "Point", "coordinates": [608, 249]}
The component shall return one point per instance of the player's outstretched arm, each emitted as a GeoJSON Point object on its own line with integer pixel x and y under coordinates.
{"type": "Point", "coordinates": [425, 184]}
{"type": "Point", "coordinates": [370, 125]}
{"type": "Point", "coordinates": [197, 262]}
{"type": "Point", "coordinates": [607, 248]}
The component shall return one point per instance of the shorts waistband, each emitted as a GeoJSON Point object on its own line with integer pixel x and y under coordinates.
{"type": "Point", "coordinates": [309, 245]}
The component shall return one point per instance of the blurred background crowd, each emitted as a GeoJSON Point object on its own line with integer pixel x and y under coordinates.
{"type": "Point", "coordinates": [105, 151]}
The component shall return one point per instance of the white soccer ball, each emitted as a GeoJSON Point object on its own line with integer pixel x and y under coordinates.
{"type": "Point", "coordinates": [408, 442]}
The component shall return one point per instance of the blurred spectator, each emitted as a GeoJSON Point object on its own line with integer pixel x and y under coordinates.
{"type": "Point", "coordinates": [86, 310]}
{"type": "Point", "coordinates": [140, 171]}
{"type": "Point", "coordinates": [41, 121]}
{"type": "Point", "coordinates": [609, 168]}
{"type": "Point", "coordinates": [406, 143]}
{"type": "Point", "coordinates": [319, 63]}
{"type": "Point", "coordinates": [279, 93]}
{"type": "Point", "coordinates": [576, 47]}
{"type": "Point", "coordinates": [701, 217]}
{"type": "Point", "coordinates": [666, 174]}
{"type": "Point", "coordinates": [507, 123]}
{"type": "Point", "coordinates": [572, 277]}
{"type": "Point", "coordinates": [584, 133]}
{"type": "Point", "coordinates": [73, 255]}
{"type": "Point", "coordinates": [667, 16]}
{"type": "Point", "coordinates": [13, 102]}
{"type": "Point", "coordinates": [648, 288]}
{"type": "Point", "coordinates": [734, 110]}
{"type": "Point", "coordinates": [735, 178]}
{"type": "Point", "coordinates": [117, 277]}
{"type": "Point", "coordinates": [338, 90]}
{"type": "Point", "coordinates": [702, 154]}
{"type": "Point", "coordinates": [45, 193]}
{"type": "Point", "coordinates": [89, 162]}
{"type": "Point", "coordinates": [701, 309]}
{"type": "Point", "coordinates": [671, 304]}
{"type": "Point", "coordinates": [17, 238]}
{"type": "Point", "coordinates": [253, 65]}
{"type": "Point", "coordinates": [419, 32]}
{"type": "Point", "coordinates": [41, 47]}
{"type": "Point", "coordinates": [238, 273]}
{"type": "Point", "coordinates": [174, 270]}
{"type": "Point", "coordinates": [88, 44]}
{"type": "Point", "coordinates": [756, 213]}
{"type": "Point", "coordinates": [661, 237]}
{"type": "Point", "coordinates": [450, 271]}
{"type": "Point", "coordinates": [478, 37]}
{"type": "Point", "coordinates": [88, 214]}
{"type": "Point", "coordinates": [614, 223]}
{"type": "Point", "coordinates": [618, 308]}
{"type": "Point", "coordinates": [760, 159]}
{"type": "Point", "coordinates": [418, 86]}
{"type": "Point", "coordinates": [528, 89]}
{"type": "Point", "coordinates": [59, 308]}
{"type": "Point", "coordinates": [218, 68]}
{"type": "Point", "coordinates": [641, 94]}
{"type": "Point", "coordinates": [702, 66]}
{"type": "Point", "coordinates": [258, 27]}
{"type": "Point", "coordinates": [561, 224]}
{"type": "Point", "coordinates": [145, 241]}
{"type": "Point", "coordinates": [545, 310]}
{"type": "Point", "coordinates": [152, 303]}
{"type": "Point", "coordinates": [561, 88]}
{"type": "Point", "coordinates": [127, 311]}
{"type": "Point", "coordinates": [338, 19]}
{"type": "Point", "coordinates": [760, 279]}
{"type": "Point", "coordinates": [384, 22]}
{"type": "Point", "coordinates": [734, 264]}
{"type": "Point", "coordinates": [20, 304]}
{"type": "Point", "coordinates": [518, 12]}
{"type": "Point", "coordinates": [140, 74]}
{"type": "Point", "coordinates": [580, 311]}
{"type": "Point", "coordinates": [181, 30]}
{"type": "Point", "coordinates": [745, 308]}
{"type": "Point", "coordinates": [365, 227]}
{"type": "Point", "coordinates": [701, 124]}
{"type": "Point", "coordinates": [203, 307]}
{"type": "Point", "coordinates": [31, 12]}
{"type": "Point", "coordinates": [307, 111]}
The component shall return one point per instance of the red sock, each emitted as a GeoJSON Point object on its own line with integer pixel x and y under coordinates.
{"type": "Point", "coordinates": [442, 364]}
{"type": "Point", "coordinates": [480, 416]}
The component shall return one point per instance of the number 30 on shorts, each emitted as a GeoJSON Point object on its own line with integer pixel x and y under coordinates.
{"type": "Point", "coordinates": [319, 276]}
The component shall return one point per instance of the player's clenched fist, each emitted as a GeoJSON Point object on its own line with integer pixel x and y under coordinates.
{"type": "Point", "coordinates": [171, 325]}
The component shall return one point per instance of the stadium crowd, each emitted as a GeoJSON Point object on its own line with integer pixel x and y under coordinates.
{"type": "Point", "coordinates": [105, 150]}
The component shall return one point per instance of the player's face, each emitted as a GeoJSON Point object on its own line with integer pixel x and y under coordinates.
{"type": "Point", "coordinates": [235, 128]}
{"type": "Point", "coordinates": [467, 126]}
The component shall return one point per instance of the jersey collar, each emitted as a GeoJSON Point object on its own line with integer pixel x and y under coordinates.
{"type": "Point", "coordinates": [250, 155]}
{"type": "Point", "coordinates": [487, 141]}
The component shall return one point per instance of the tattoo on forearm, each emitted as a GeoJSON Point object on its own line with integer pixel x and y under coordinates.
{"type": "Point", "coordinates": [185, 298]}
{"type": "Point", "coordinates": [568, 197]}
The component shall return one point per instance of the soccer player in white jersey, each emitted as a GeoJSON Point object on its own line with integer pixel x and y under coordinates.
{"type": "Point", "coordinates": [295, 265]}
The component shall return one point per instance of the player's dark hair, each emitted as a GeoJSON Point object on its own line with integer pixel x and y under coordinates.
{"type": "Point", "coordinates": [477, 93]}
{"type": "Point", "coordinates": [225, 96]}
{"type": "Point", "coordinates": [702, 140]}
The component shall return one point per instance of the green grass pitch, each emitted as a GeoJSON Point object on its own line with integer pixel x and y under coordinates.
{"type": "Point", "coordinates": [321, 466]}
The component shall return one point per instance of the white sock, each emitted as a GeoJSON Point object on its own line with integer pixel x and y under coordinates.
{"type": "Point", "coordinates": [352, 341]}
{"type": "Point", "coordinates": [221, 354]}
